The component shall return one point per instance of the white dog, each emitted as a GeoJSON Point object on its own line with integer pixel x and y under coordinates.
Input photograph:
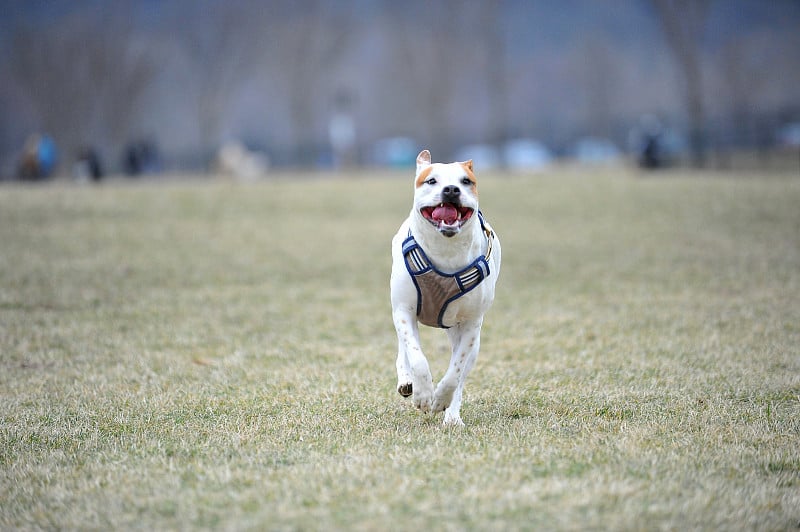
{"type": "Point", "coordinates": [445, 263]}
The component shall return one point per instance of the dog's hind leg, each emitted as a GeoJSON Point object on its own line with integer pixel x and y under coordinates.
{"type": "Point", "coordinates": [452, 415]}
{"type": "Point", "coordinates": [447, 386]}
{"type": "Point", "coordinates": [465, 339]}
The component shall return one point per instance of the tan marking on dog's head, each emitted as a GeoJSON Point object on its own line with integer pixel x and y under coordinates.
{"type": "Point", "coordinates": [423, 176]}
{"type": "Point", "coordinates": [467, 166]}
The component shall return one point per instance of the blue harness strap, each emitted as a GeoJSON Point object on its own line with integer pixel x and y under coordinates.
{"type": "Point", "coordinates": [437, 289]}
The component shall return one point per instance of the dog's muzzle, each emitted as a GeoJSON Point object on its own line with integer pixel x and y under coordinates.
{"type": "Point", "coordinates": [447, 216]}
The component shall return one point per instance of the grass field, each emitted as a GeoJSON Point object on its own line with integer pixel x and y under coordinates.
{"type": "Point", "coordinates": [197, 354]}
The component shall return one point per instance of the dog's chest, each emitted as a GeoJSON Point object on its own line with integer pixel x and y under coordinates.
{"type": "Point", "coordinates": [448, 291]}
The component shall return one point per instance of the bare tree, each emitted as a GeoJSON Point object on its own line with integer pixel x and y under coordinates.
{"type": "Point", "coordinates": [598, 76]}
{"type": "Point", "coordinates": [683, 22]}
{"type": "Point", "coordinates": [496, 70]}
{"type": "Point", "coordinates": [84, 79]}
{"type": "Point", "coordinates": [312, 41]}
{"type": "Point", "coordinates": [221, 57]}
{"type": "Point", "coordinates": [441, 56]}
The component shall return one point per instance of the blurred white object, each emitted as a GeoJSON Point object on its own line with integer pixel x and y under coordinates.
{"type": "Point", "coordinates": [236, 161]}
{"type": "Point", "coordinates": [595, 150]}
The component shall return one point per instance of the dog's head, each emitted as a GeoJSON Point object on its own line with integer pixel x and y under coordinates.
{"type": "Point", "coordinates": [446, 195]}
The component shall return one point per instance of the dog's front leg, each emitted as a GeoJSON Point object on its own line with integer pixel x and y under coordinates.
{"type": "Point", "coordinates": [465, 339]}
{"type": "Point", "coordinates": [411, 362]}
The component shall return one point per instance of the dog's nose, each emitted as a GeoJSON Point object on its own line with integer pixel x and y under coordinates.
{"type": "Point", "coordinates": [451, 193]}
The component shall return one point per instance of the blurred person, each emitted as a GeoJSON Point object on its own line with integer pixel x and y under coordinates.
{"type": "Point", "coordinates": [87, 165]}
{"type": "Point", "coordinates": [650, 152]}
{"type": "Point", "coordinates": [342, 131]}
{"type": "Point", "coordinates": [39, 157]}
{"type": "Point", "coordinates": [141, 157]}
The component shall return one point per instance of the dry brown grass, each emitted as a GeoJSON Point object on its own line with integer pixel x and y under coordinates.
{"type": "Point", "coordinates": [202, 355]}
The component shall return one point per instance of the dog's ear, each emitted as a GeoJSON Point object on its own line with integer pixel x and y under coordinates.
{"type": "Point", "coordinates": [423, 160]}
{"type": "Point", "coordinates": [467, 165]}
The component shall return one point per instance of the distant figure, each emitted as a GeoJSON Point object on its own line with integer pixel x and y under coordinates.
{"type": "Point", "coordinates": [650, 151]}
{"type": "Point", "coordinates": [650, 157]}
{"type": "Point", "coordinates": [342, 131]}
{"type": "Point", "coordinates": [141, 157]}
{"type": "Point", "coordinates": [39, 157]}
{"type": "Point", "coordinates": [87, 165]}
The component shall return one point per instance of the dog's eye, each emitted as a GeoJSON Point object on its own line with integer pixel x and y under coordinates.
{"type": "Point", "coordinates": [466, 181]}
{"type": "Point", "coordinates": [431, 181]}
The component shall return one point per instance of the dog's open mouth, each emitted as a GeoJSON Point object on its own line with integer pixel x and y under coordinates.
{"type": "Point", "coordinates": [447, 217]}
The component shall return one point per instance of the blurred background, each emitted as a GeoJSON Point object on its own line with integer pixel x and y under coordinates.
{"type": "Point", "coordinates": [91, 88]}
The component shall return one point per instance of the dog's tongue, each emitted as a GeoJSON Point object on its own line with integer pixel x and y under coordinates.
{"type": "Point", "coordinates": [445, 213]}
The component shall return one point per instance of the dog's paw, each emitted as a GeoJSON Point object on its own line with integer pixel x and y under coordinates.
{"type": "Point", "coordinates": [452, 419]}
{"type": "Point", "coordinates": [422, 402]}
{"type": "Point", "coordinates": [422, 397]}
{"type": "Point", "coordinates": [405, 389]}
{"type": "Point", "coordinates": [422, 387]}
{"type": "Point", "coordinates": [442, 398]}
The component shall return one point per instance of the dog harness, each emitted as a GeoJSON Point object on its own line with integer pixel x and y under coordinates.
{"type": "Point", "coordinates": [437, 289]}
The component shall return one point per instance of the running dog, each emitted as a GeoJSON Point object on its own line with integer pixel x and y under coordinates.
{"type": "Point", "coordinates": [445, 263]}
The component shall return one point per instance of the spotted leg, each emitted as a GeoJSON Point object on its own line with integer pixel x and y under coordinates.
{"type": "Point", "coordinates": [413, 372]}
{"type": "Point", "coordinates": [465, 339]}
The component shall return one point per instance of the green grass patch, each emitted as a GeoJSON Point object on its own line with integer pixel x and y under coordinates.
{"type": "Point", "coordinates": [205, 355]}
